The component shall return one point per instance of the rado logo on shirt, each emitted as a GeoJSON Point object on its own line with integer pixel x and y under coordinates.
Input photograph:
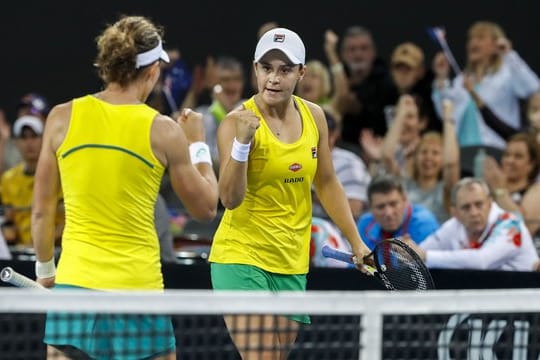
{"type": "Point", "coordinates": [293, 180]}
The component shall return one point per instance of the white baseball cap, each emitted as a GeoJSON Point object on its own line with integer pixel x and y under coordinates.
{"type": "Point", "coordinates": [30, 121]}
{"type": "Point", "coordinates": [286, 41]}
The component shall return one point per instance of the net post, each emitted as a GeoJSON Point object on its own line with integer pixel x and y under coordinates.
{"type": "Point", "coordinates": [371, 335]}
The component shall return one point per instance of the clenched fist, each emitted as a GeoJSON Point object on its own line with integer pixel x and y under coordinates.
{"type": "Point", "coordinates": [246, 123]}
{"type": "Point", "coordinates": [192, 124]}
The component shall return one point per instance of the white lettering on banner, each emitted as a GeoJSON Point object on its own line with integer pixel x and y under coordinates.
{"type": "Point", "coordinates": [445, 336]}
{"type": "Point", "coordinates": [481, 347]}
{"type": "Point", "coordinates": [521, 339]}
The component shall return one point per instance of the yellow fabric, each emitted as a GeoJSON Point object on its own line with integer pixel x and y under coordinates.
{"type": "Point", "coordinates": [17, 191]}
{"type": "Point", "coordinates": [271, 228]}
{"type": "Point", "coordinates": [110, 179]}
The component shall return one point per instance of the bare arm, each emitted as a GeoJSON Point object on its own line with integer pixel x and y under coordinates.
{"type": "Point", "coordinates": [47, 186]}
{"type": "Point", "coordinates": [339, 78]}
{"type": "Point", "coordinates": [496, 179]}
{"type": "Point", "coordinates": [195, 185]}
{"type": "Point", "coordinates": [239, 124]}
{"type": "Point", "coordinates": [330, 192]}
{"type": "Point", "coordinates": [391, 139]}
{"type": "Point", "coordinates": [531, 208]}
{"type": "Point", "coordinates": [451, 169]}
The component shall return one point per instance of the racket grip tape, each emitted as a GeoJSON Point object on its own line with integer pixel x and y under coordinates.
{"type": "Point", "coordinates": [330, 252]}
{"type": "Point", "coordinates": [10, 276]}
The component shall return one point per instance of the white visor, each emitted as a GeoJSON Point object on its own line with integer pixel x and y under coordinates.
{"type": "Point", "coordinates": [148, 57]}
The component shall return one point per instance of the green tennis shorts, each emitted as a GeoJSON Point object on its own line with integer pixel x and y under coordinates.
{"type": "Point", "coordinates": [109, 336]}
{"type": "Point", "coordinates": [249, 277]}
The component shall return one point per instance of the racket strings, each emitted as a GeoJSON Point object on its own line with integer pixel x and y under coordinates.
{"type": "Point", "coordinates": [401, 269]}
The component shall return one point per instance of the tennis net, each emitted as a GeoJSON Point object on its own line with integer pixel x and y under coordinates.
{"type": "Point", "coordinates": [483, 324]}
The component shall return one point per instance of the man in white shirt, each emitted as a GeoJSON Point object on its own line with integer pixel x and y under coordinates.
{"type": "Point", "coordinates": [480, 235]}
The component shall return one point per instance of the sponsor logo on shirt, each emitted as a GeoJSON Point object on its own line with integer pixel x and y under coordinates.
{"type": "Point", "coordinates": [295, 167]}
{"type": "Point", "coordinates": [293, 180]}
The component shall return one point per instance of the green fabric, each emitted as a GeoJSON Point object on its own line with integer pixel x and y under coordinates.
{"type": "Point", "coordinates": [110, 336]}
{"type": "Point", "coordinates": [218, 111]}
{"type": "Point", "coordinates": [248, 277]}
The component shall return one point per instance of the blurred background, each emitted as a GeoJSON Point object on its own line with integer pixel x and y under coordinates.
{"type": "Point", "coordinates": [48, 46]}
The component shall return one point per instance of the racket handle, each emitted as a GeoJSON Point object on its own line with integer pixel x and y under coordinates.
{"type": "Point", "coordinates": [330, 252]}
{"type": "Point", "coordinates": [11, 276]}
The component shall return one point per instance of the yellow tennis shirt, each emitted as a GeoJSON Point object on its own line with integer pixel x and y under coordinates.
{"type": "Point", "coordinates": [271, 228]}
{"type": "Point", "coordinates": [110, 178]}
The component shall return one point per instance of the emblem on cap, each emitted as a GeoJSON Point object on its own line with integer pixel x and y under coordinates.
{"type": "Point", "coordinates": [279, 38]}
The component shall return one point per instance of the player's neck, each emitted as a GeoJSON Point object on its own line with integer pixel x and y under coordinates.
{"type": "Point", "coordinates": [277, 111]}
{"type": "Point", "coordinates": [116, 94]}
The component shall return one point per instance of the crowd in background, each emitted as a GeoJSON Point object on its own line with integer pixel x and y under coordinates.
{"type": "Point", "coordinates": [447, 160]}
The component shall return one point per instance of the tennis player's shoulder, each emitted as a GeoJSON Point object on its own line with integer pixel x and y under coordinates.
{"type": "Point", "coordinates": [60, 115]}
{"type": "Point", "coordinates": [317, 112]}
{"type": "Point", "coordinates": [165, 124]}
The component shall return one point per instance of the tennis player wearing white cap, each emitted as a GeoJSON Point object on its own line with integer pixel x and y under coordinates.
{"type": "Point", "coordinates": [272, 150]}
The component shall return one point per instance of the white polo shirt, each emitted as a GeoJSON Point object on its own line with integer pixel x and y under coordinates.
{"type": "Point", "coordinates": [507, 245]}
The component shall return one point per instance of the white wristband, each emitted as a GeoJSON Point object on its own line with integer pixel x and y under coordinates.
{"type": "Point", "coordinates": [45, 269]}
{"type": "Point", "coordinates": [200, 153]}
{"type": "Point", "coordinates": [240, 152]}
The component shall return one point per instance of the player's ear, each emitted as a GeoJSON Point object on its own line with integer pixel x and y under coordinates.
{"type": "Point", "coordinates": [302, 71]}
{"type": "Point", "coordinates": [153, 70]}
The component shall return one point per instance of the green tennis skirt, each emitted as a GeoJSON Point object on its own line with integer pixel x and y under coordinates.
{"type": "Point", "coordinates": [109, 336]}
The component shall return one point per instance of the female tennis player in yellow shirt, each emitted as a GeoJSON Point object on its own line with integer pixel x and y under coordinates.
{"type": "Point", "coordinates": [271, 152]}
{"type": "Point", "coordinates": [109, 151]}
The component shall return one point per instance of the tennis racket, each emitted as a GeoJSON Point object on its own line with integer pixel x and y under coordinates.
{"type": "Point", "coordinates": [12, 277]}
{"type": "Point", "coordinates": [396, 265]}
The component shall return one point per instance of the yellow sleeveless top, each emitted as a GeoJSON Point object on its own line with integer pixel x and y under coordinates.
{"type": "Point", "coordinates": [110, 178]}
{"type": "Point", "coordinates": [271, 229]}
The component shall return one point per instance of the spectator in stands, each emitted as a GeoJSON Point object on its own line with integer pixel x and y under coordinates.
{"type": "Point", "coordinates": [33, 104]}
{"type": "Point", "coordinates": [226, 95]}
{"type": "Point", "coordinates": [410, 76]}
{"type": "Point", "coordinates": [392, 215]}
{"type": "Point", "coordinates": [481, 235]}
{"type": "Point", "coordinates": [513, 182]}
{"type": "Point", "coordinates": [17, 184]}
{"type": "Point", "coordinates": [318, 86]}
{"type": "Point", "coordinates": [370, 85]}
{"type": "Point", "coordinates": [498, 75]}
{"type": "Point", "coordinates": [403, 138]}
{"type": "Point", "coordinates": [350, 171]}
{"type": "Point", "coordinates": [435, 165]}
{"type": "Point", "coordinates": [30, 104]}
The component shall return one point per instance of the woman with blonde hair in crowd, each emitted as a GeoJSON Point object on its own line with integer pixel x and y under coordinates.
{"type": "Point", "coordinates": [320, 85]}
{"type": "Point", "coordinates": [499, 77]}
{"type": "Point", "coordinates": [434, 164]}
